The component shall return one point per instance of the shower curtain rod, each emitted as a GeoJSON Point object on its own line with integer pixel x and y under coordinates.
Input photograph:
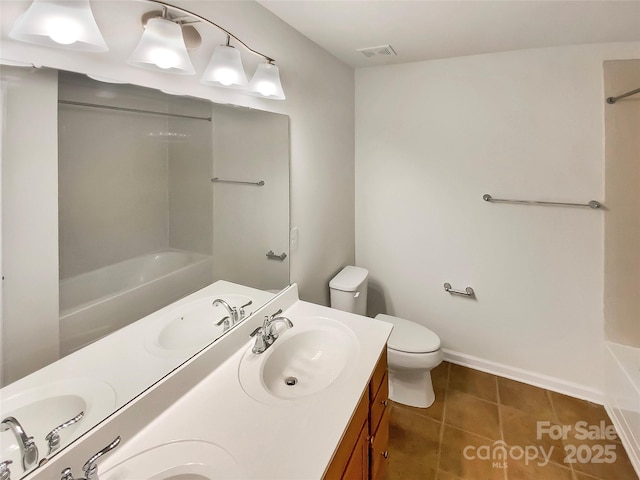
{"type": "Point", "coordinates": [134, 110]}
{"type": "Point", "coordinates": [612, 100]}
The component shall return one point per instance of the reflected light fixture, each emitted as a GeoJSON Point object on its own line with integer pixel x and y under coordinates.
{"type": "Point", "coordinates": [64, 24]}
{"type": "Point", "coordinates": [162, 47]}
{"type": "Point", "coordinates": [225, 68]}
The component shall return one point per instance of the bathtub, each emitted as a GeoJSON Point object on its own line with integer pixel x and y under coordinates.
{"type": "Point", "coordinates": [98, 302]}
{"type": "Point", "coordinates": [622, 396]}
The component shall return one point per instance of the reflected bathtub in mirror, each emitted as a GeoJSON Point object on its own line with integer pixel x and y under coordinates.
{"type": "Point", "coordinates": [99, 302]}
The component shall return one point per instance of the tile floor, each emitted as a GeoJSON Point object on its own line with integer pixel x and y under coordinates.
{"type": "Point", "coordinates": [480, 415]}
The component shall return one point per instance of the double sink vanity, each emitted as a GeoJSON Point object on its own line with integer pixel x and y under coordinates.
{"type": "Point", "coordinates": [292, 390]}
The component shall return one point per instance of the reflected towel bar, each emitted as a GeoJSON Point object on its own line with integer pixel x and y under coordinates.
{"type": "Point", "coordinates": [218, 180]}
{"type": "Point", "coordinates": [592, 204]}
{"type": "Point", "coordinates": [468, 292]}
{"type": "Point", "coordinates": [273, 256]}
{"type": "Point", "coordinates": [132, 110]}
{"type": "Point", "coordinates": [612, 100]}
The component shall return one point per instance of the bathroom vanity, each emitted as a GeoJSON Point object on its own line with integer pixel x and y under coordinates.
{"type": "Point", "coordinates": [313, 405]}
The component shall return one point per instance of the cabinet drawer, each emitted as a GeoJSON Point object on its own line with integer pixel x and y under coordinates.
{"type": "Point", "coordinates": [378, 374]}
{"type": "Point", "coordinates": [379, 404]}
{"type": "Point", "coordinates": [379, 448]}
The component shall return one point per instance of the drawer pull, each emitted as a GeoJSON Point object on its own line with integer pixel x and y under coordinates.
{"type": "Point", "coordinates": [384, 402]}
{"type": "Point", "coordinates": [371, 438]}
{"type": "Point", "coordinates": [385, 454]}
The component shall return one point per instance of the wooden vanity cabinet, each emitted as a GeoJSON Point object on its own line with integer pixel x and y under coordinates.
{"type": "Point", "coordinates": [362, 453]}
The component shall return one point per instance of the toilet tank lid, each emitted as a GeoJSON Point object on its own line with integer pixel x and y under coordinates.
{"type": "Point", "coordinates": [349, 279]}
{"type": "Point", "coordinates": [410, 337]}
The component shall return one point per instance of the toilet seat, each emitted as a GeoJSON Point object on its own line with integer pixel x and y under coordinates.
{"type": "Point", "coordinates": [410, 337]}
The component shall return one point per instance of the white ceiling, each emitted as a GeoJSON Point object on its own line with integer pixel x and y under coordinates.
{"type": "Point", "coordinates": [426, 29]}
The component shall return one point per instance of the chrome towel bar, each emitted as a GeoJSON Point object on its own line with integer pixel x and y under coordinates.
{"type": "Point", "coordinates": [468, 292]}
{"type": "Point", "coordinates": [219, 180]}
{"type": "Point", "coordinates": [612, 100]}
{"type": "Point", "coordinates": [592, 204]}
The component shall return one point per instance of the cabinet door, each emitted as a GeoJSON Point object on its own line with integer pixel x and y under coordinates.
{"type": "Point", "coordinates": [379, 448]}
{"type": "Point", "coordinates": [358, 466]}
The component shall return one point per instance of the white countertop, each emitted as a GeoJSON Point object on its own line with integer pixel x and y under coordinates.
{"type": "Point", "coordinates": [295, 439]}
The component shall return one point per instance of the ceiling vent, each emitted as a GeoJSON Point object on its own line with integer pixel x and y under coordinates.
{"type": "Point", "coordinates": [384, 50]}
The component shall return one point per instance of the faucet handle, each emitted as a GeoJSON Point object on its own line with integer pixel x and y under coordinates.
{"type": "Point", "coordinates": [5, 473]}
{"type": "Point", "coordinates": [67, 474]}
{"type": "Point", "coordinates": [53, 437]}
{"type": "Point", "coordinates": [224, 321]}
{"type": "Point", "coordinates": [90, 468]}
{"type": "Point", "coordinates": [242, 307]}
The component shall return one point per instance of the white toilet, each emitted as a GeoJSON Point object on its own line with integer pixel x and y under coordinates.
{"type": "Point", "coordinates": [413, 350]}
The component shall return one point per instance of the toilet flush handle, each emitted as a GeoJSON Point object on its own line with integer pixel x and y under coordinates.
{"type": "Point", "coordinates": [356, 295]}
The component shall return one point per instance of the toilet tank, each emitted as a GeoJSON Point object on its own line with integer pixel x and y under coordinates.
{"type": "Point", "coordinates": [349, 290]}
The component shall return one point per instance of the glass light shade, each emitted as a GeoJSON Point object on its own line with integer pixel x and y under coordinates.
{"type": "Point", "coordinates": [266, 82]}
{"type": "Point", "coordinates": [225, 69]}
{"type": "Point", "coordinates": [162, 48]}
{"type": "Point", "coordinates": [64, 24]}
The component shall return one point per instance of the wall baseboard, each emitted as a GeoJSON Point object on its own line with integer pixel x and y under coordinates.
{"type": "Point", "coordinates": [525, 376]}
{"type": "Point", "coordinates": [622, 429]}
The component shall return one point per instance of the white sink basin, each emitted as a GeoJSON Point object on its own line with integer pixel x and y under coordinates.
{"type": "Point", "coordinates": [192, 326]}
{"type": "Point", "coordinates": [305, 360]}
{"type": "Point", "coordinates": [181, 460]}
{"type": "Point", "coordinates": [40, 409]}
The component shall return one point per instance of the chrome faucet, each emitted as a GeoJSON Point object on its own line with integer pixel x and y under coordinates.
{"type": "Point", "coordinates": [90, 468]}
{"type": "Point", "coordinates": [5, 473]}
{"type": "Point", "coordinates": [234, 316]}
{"type": "Point", "coordinates": [53, 437]}
{"type": "Point", "coordinates": [267, 334]}
{"type": "Point", "coordinates": [27, 445]}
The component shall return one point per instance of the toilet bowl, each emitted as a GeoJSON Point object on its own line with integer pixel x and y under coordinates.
{"type": "Point", "coordinates": [412, 350]}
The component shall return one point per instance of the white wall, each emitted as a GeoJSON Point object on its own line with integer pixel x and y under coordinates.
{"type": "Point", "coordinates": [431, 139]}
{"type": "Point", "coordinates": [29, 222]}
{"type": "Point", "coordinates": [320, 103]}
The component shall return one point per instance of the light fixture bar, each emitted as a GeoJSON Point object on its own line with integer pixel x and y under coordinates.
{"type": "Point", "coordinates": [206, 20]}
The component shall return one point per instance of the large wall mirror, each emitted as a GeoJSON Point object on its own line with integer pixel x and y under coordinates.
{"type": "Point", "coordinates": [118, 200]}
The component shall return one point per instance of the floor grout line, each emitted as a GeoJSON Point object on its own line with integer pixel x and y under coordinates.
{"type": "Point", "coordinates": [442, 424]}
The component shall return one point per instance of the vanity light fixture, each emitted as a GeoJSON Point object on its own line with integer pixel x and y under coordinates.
{"type": "Point", "coordinates": [63, 24]}
{"type": "Point", "coordinates": [266, 82]}
{"type": "Point", "coordinates": [225, 68]}
{"type": "Point", "coordinates": [162, 47]}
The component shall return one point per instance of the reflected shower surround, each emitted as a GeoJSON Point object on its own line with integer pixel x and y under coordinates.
{"type": "Point", "coordinates": [163, 46]}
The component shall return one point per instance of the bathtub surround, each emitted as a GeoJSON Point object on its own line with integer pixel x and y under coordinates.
{"type": "Point", "coordinates": [621, 258]}
{"type": "Point", "coordinates": [525, 124]}
{"type": "Point", "coordinates": [622, 222]}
